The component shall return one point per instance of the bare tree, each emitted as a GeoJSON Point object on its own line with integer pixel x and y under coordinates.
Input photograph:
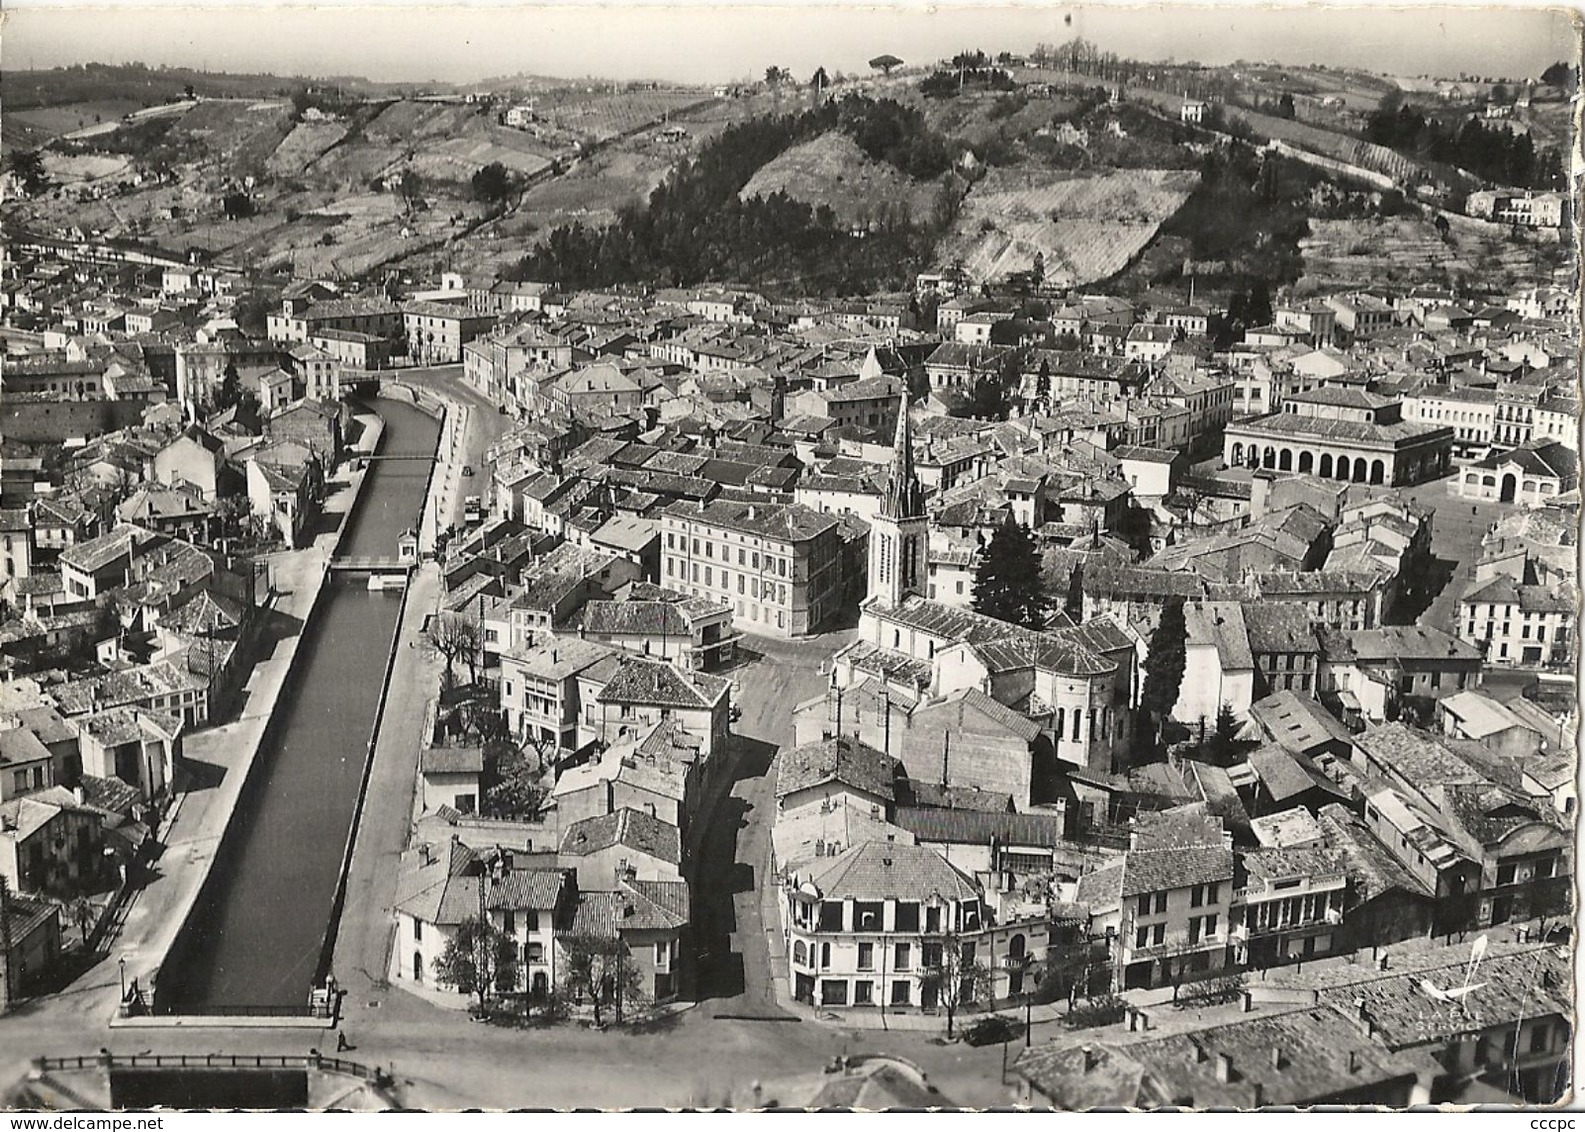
{"type": "Point", "coordinates": [454, 636]}
{"type": "Point", "coordinates": [82, 913]}
{"type": "Point", "coordinates": [601, 968]}
{"type": "Point", "coordinates": [954, 974]}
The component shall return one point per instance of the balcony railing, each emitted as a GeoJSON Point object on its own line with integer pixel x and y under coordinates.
{"type": "Point", "coordinates": [1254, 931]}
{"type": "Point", "coordinates": [1323, 882]}
{"type": "Point", "coordinates": [1180, 945]}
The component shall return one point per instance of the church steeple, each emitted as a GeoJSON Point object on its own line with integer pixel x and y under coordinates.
{"type": "Point", "coordinates": [899, 553]}
{"type": "Point", "coordinates": [778, 399]}
{"type": "Point", "coordinates": [905, 495]}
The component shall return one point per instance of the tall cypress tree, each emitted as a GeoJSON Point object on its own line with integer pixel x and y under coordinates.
{"type": "Point", "coordinates": [1007, 582]}
{"type": "Point", "coordinates": [1164, 663]}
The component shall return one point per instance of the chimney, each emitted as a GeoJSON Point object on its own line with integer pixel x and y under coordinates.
{"type": "Point", "coordinates": [1258, 1095]}
{"type": "Point", "coordinates": [1353, 1061]}
{"type": "Point", "coordinates": [1200, 1056]}
{"type": "Point", "coordinates": [1089, 1058]}
{"type": "Point", "coordinates": [1224, 1068]}
{"type": "Point", "coordinates": [1364, 1019]}
{"type": "Point", "coordinates": [1277, 1061]}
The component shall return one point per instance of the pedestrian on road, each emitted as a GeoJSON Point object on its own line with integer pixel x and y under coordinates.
{"type": "Point", "coordinates": [342, 1045]}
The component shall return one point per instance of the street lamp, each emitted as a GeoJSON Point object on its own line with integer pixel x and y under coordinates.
{"type": "Point", "coordinates": [122, 962]}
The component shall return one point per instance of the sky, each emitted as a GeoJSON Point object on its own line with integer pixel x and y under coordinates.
{"type": "Point", "coordinates": [666, 41]}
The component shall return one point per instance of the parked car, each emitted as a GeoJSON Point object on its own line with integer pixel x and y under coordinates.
{"type": "Point", "coordinates": [467, 469]}
{"type": "Point", "coordinates": [992, 1030]}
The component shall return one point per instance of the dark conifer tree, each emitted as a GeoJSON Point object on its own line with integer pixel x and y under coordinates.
{"type": "Point", "coordinates": [1164, 663]}
{"type": "Point", "coordinates": [1007, 581]}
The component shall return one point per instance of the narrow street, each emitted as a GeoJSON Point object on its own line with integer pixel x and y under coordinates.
{"type": "Point", "coordinates": [735, 972]}
{"type": "Point", "coordinates": [486, 425]}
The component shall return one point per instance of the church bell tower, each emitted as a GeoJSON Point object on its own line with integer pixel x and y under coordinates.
{"type": "Point", "coordinates": [900, 533]}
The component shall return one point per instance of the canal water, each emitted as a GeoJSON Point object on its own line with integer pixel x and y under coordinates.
{"type": "Point", "coordinates": [257, 935]}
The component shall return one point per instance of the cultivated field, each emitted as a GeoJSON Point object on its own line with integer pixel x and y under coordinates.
{"type": "Point", "coordinates": [1085, 227]}
{"type": "Point", "coordinates": [446, 142]}
{"type": "Point", "coordinates": [75, 115]}
{"type": "Point", "coordinates": [1406, 251]}
{"type": "Point", "coordinates": [303, 146]}
{"type": "Point", "coordinates": [602, 117]}
{"type": "Point", "coordinates": [1341, 147]}
{"type": "Point", "coordinates": [74, 169]}
{"type": "Point", "coordinates": [457, 159]}
{"type": "Point", "coordinates": [832, 170]}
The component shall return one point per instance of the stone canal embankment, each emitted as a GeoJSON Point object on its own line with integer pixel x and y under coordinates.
{"type": "Point", "coordinates": [259, 927]}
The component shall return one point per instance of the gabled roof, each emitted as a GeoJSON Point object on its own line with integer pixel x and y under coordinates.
{"type": "Point", "coordinates": [1296, 1057]}
{"type": "Point", "coordinates": [657, 904]}
{"type": "Point", "coordinates": [647, 618]}
{"type": "Point", "coordinates": [1415, 756]}
{"type": "Point", "coordinates": [971, 702]}
{"type": "Point", "coordinates": [1525, 984]}
{"type": "Point", "coordinates": [1102, 889]}
{"type": "Point", "coordinates": [843, 760]}
{"type": "Point", "coordinates": [1220, 624]}
{"type": "Point", "coordinates": [1371, 868]}
{"type": "Point", "coordinates": [1158, 870]}
{"type": "Point", "coordinates": [560, 658]}
{"type": "Point", "coordinates": [1287, 775]}
{"type": "Point", "coordinates": [1479, 715]}
{"type": "Point", "coordinates": [980, 827]}
{"type": "Point", "coordinates": [1504, 590]}
{"type": "Point", "coordinates": [18, 745]}
{"type": "Point", "coordinates": [95, 554]}
{"type": "Point", "coordinates": [654, 682]}
{"type": "Point", "coordinates": [1278, 627]}
{"type": "Point", "coordinates": [1297, 723]}
{"type": "Point", "coordinates": [433, 886]}
{"type": "Point", "coordinates": [1176, 848]}
{"type": "Point", "coordinates": [115, 727]}
{"type": "Point", "coordinates": [1421, 643]}
{"type": "Point", "coordinates": [632, 829]}
{"type": "Point", "coordinates": [519, 889]}
{"type": "Point", "coordinates": [633, 906]}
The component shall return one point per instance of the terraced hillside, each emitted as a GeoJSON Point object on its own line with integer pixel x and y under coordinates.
{"type": "Point", "coordinates": [832, 170]}
{"type": "Point", "coordinates": [238, 135]}
{"type": "Point", "coordinates": [1085, 227]}
{"type": "Point", "coordinates": [1405, 251]}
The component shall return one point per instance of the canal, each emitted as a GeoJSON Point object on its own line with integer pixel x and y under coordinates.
{"type": "Point", "coordinates": [256, 937]}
